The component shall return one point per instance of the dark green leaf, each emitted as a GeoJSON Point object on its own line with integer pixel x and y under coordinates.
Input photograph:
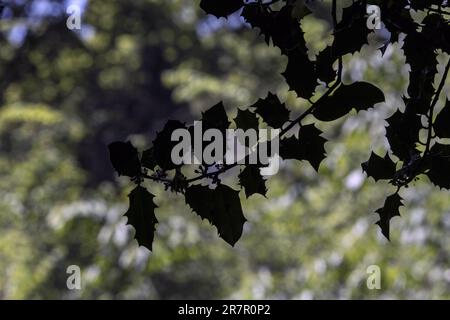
{"type": "Point", "coordinates": [163, 145]}
{"type": "Point", "coordinates": [300, 10]}
{"type": "Point", "coordinates": [124, 158]}
{"type": "Point", "coordinates": [422, 60]}
{"type": "Point", "coordinates": [286, 32]}
{"type": "Point", "coordinates": [388, 211]}
{"type": "Point", "coordinates": [148, 159]}
{"type": "Point", "coordinates": [309, 146]}
{"type": "Point", "coordinates": [351, 32]}
{"type": "Point", "coordinates": [358, 95]}
{"type": "Point", "coordinates": [221, 207]}
{"type": "Point", "coordinates": [441, 124]}
{"type": "Point", "coordinates": [273, 112]}
{"type": "Point", "coordinates": [215, 117]}
{"type": "Point", "coordinates": [259, 17]}
{"type": "Point", "coordinates": [300, 74]}
{"type": "Point", "coordinates": [402, 133]}
{"type": "Point", "coordinates": [361, 95]}
{"type": "Point", "coordinates": [141, 215]}
{"type": "Point", "coordinates": [246, 119]}
{"type": "Point", "coordinates": [283, 26]}
{"type": "Point", "coordinates": [379, 168]}
{"type": "Point", "coordinates": [221, 8]}
{"type": "Point", "coordinates": [250, 178]}
{"type": "Point", "coordinates": [324, 65]}
{"type": "Point", "coordinates": [439, 173]}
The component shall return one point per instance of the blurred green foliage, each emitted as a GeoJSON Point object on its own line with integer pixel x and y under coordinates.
{"type": "Point", "coordinates": [65, 95]}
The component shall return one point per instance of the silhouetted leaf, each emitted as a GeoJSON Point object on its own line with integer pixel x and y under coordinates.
{"type": "Point", "coordinates": [286, 32]}
{"type": "Point", "coordinates": [379, 168]}
{"type": "Point", "coordinates": [388, 211]}
{"type": "Point", "coordinates": [124, 158]}
{"type": "Point", "coordinates": [282, 26]}
{"type": "Point", "coordinates": [148, 159]}
{"type": "Point", "coordinates": [246, 119]}
{"type": "Point", "coordinates": [272, 111]}
{"type": "Point", "coordinates": [402, 133]}
{"type": "Point", "coordinates": [250, 178]}
{"type": "Point", "coordinates": [221, 8]}
{"type": "Point", "coordinates": [215, 117]}
{"type": "Point", "coordinates": [309, 146]}
{"type": "Point", "coordinates": [221, 207]}
{"type": "Point", "coordinates": [300, 10]}
{"type": "Point", "coordinates": [324, 65]}
{"type": "Point", "coordinates": [259, 17]}
{"type": "Point", "coordinates": [397, 18]}
{"type": "Point", "coordinates": [358, 95]}
{"type": "Point", "coordinates": [441, 124]}
{"type": "Point", "coordinates": [422, 60]}
{"type": "Point", "coordinates": [141, 215]}
{"type": "Point", "coordinates": [439, 173]}
{"type": "Point", "coordinates": [163, 145]}
{"type": "Point", "coordinates": [300, 74]}
{"type": "Point", "coordinates": [352, 31]}
{"type": "Point", "coordinates": [361, 95]}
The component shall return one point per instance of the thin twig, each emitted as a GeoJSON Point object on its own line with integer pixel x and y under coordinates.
{"type": "Point", "coordinates": [433, 105]}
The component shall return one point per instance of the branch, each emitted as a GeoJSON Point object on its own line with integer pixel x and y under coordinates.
{"type": "Point", "coordinates": [298, 120]}
{"type": "Point", "coordinates": [433, 105]}
{"type": "Point", "coordinates": [157, 179]}
{"type": "Point", "coordinates": [334, 14]}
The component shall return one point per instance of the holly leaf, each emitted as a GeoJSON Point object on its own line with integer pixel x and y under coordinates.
{"type": "Point", "coordinates": [300, 74]}
{"type": "Point", "coordinates": [351, 32]}
{"type": "Point", "coordinates": [379, 168]}
{"type": "Point", "coordinates": [286, 32]}
{"type": "Point", "coordinates": [358, 96]}
{"type": "Point", "coordinates": [309, 146]}
{"type": "Point", "coordinates": [221, 207]}
{"type": "Point", "coordinates": [251, 180]}
{"type": "Point", "coordinates": [324, 65]}
{"type": "Point", "coordinates": [141, 215]}
{"type": "Point", "coordinates": [361, 95]}
{"type": "Point", "coordinates": [300, 10]}
{"type": "Point", "coordinates": [402, 133]}
{"type": "Point", "coordinates": [246, 120]}
{"type": "Point", "coordinates": [272, 111]}
{"type": "Point", "coordinates": [439, 162]}
{"type": "Point", "coordinates": [388, 211]}
{"type": "Point", "coordinates": [215, 117]}
{"type": "Point", "coordinates": [148, 159]}
{"type": "Point", "coordinates": [163, 145]}
{"type": "Point", "coordinates": [422, 60]}
{"type": "Point", "coordinates": [282, 26]}
{"type": "Point", "coordinates": [124, 158]}
{"type": "Point", "coordinates": [259, 17]}
{"type": "Point", "coordinates": [221, 8]}
{"type": "Point", "coordinates": [441, 127]}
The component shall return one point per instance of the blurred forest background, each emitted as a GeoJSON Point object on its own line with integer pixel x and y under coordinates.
{"type": "Point", "coordinates": [65, 95]}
